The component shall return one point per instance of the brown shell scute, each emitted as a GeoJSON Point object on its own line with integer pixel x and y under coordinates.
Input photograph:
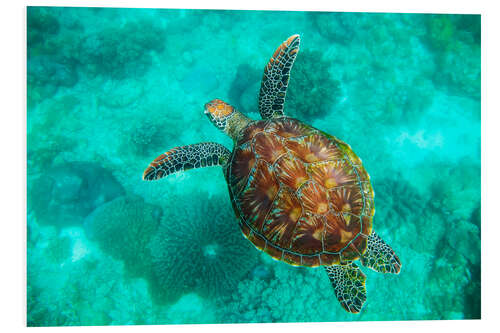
{"type": "Point", "coordinates": [314, 148]}
{"type": "Point", "coordinates": [244, 161]}
{"type": "Point", "coordinates": [314, 198]}
{"type": "Point", "coordinates": [302, 196]}
{"type": "Point", "coordinates": [281, 221]}
{"type": "Point", "coordinates": [308, 236]}
{"type": "Point", "coordinates": [268, 147]}
{"type": "Point", "coordinates": [333, 173]}
{"type": "Point", "coordinates": [259, 196]}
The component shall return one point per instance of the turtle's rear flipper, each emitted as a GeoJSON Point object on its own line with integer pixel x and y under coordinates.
{"type": "Point", "coordinates": [380, 257]}
{"type": "Point", "coordinates": [183, 158]}
{"type": "Point", "coordinates": [276, 75]}
{"type": "Point", "coordinates": [348, 281]}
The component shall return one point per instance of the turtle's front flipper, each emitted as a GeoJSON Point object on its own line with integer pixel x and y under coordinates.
{"type": "Point", "coordinates": [275, 80]}
{"type": "Point", "coordinates": [380, 257]}
{"type": "Point", "coordinates": [348, 281]}
{"type": "Point", "coordinates": [187, 157]}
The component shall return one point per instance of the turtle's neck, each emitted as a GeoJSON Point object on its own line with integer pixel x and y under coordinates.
{"type": "Point", "coordinates": [236, 124]}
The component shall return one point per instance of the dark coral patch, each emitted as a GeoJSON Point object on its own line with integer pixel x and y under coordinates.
{"type": "Point", "coordinates": [291, 171]}
{"type": "Point", "coordinates": [314, 198]}
{"type": "Point", "coordinates": [257, 199]}
{"type": "Point", "coordinates": [281, 222]}
{"type": "Point", "coordinates": [333, 173]}
{"type": "Point", "coordinates": [314, 148]}
{"type": "Point", "coordinates": [269, 147]}
{"type": "Point", "coordinates": [308, 235]}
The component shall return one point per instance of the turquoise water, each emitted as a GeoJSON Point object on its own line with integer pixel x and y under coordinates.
{"type": "Point", "coordinates": [111, 89]}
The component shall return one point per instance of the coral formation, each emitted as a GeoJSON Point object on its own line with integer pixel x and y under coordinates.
{"type": "Point", "coordinates": [456, 43]}
{"type": "Point", "coordinates": [199, 247]}
{"type": "Point", "coordinates": [457, 190]}
{"type": "Point", "coordinates": [246, 77]}
{"type": "Point", "coordinates": [123, 228]}
{"type": "Point", "coordinates": [121, 52]}
{"type": "Point", "coordinates": [336, 27]}
{"type": "Point", "coordinates": [50, 62]}
{"type": "Point", "coordinates": [58, 249]}
{"type": "Point", "coordinates": [41, 22]}
{"type": "Point", "coordinates": [312, 90]}
{"type": "Point", "coordinates": [295, 294]}
{"type": "Point", "coordinates": [66, 193]}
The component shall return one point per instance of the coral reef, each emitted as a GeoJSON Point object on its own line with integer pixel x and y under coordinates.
{"type": "Point", "coordinates": [312, 90]}
{"type": "Point", "coordinates": [50, 49]}
{"type": "Point", "coordinates": [123, 228]}
{"type": "Point", "coordinates": [456, 192]}
{"type": "Point", "coordinates": [41, 22]}
{"type": "Point", "coordinates": [242, 90]}
{"type": "Point", "coordinates": [456, 43]}
{"type": "Point", "coordinates": [199, 248]}
{"type": "Point", "coordinates": [119, 94]}
{"type": "Point", "coordinates": [66, 193]}
{"type": "Point", "coordinates": [45, 74]}
{"type": "Point", "coordinates": [295, 294]}
{"type": "Point", "coordinates": [336, 27]}
{"type": "Point", "coordinates": [454, 280]}
{"type": "Point", "coordinates": [58, 249]}
{"type": "Point", "coordinates": [50, 131]}
{"type": "Point", "coordinates": [395, 201]}
{"type": "Point", "coordinates": [121, 52]}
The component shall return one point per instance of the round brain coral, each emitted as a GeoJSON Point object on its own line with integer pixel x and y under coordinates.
{"type": "Point", "coordinates": [123, 228]}
{"type": "Point", "coordinates": [199, 247]}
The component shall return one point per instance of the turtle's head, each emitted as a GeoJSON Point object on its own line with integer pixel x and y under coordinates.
{"type": "Point", "coordinates": [225, 117]}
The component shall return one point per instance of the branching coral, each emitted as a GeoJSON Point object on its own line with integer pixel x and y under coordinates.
{"type": "Point", "coordinates": [312, 89]}
{"type": "Point", "coordinates": [296, 294]}
{"type": "Point", "coordinates": [123, 228]}
{"type": "Point", "coordinates": [199, 247]}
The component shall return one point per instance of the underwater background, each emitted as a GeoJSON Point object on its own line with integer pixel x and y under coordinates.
{"type": "Point", "coordinates": [108, 90]}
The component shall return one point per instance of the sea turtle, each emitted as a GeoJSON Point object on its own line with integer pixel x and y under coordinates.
{"type": "Point", "coordinates": [301, 195]}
